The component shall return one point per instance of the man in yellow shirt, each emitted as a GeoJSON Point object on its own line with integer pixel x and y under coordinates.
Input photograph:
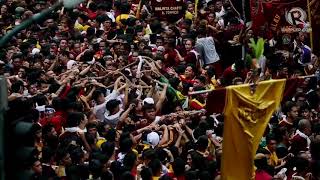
{"type": "Point", "coordinates": [273, 159]}
{"type": "Point", "coordinates": [124, 15]}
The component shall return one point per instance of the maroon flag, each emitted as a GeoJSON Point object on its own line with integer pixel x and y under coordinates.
{"type": "Point", "coordinates": [257, 15]}
{"type": "Point", "coordinates": [171, 10]}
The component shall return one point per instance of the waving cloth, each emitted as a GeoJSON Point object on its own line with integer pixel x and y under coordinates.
{"type": "Point", "coordinates": [246, 117]}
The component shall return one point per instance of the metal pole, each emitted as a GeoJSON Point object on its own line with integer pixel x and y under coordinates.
{"type": "Point", "coordinates": [3, 108]}
{"type": "Point", "coordinates": [244, 21]}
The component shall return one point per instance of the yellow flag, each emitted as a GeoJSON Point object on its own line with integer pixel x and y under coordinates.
{"type": "Point", "coordinates": [196, 8]}
{"type": "Point", "coordinates": [246, 117]}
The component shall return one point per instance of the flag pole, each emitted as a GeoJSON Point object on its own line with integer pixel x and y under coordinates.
{"type": "Point", "coordinates": [251, 84]}
{"type": "Point", "coordinates": [310, 21]}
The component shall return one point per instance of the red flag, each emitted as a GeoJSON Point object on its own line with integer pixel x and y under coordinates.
{"type": "Point", "coordinates": [257, 14]}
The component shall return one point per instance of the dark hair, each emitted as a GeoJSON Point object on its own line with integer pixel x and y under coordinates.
{"type": "Point", "coordinates": [16, 86]}
{"type": "Point", "coordinates": [95, 168]}
{"type": "Point", "coordinates": [155, 166]}
{"type": "Point", "coordinates": [125, 145]}
{"type": "Point", "coordinates": [127, 176]}
{"type": "Point", "coordinates": [178, 166]}
{"type": "Point", "coordinates": [202, 79]}
{"type": "Point", "coordinates": [270, 137]}
{"type": "Point", "coordinates": [288, 106]}
{"type": "Point", "coordinates": [91, 125]}
{"type": "Point", "coordinates": [47, 129]}
{"type": "Point", "coordinates": [111, 135]}
{"type": "Point", "coordinates": [74, 119]}
{"type": "Point", "coordinates": [261, 164]}
{"type": "Point", "coordinates": [58, 104]}
{"type": "Point", "coordinates": [191, 175]}
{"type": "Point", "coordinates": [40, 99]}
{"type": "Point", "coordinates": [112, 105]}
{"type": "Point", "coordinates": [129, 160]}
{"type": "Point", "coordinates": [146, 173]}
{"type": "Point", "coordinates": [108, 148]}
{"type": "Point", "coordinates": [202, 142]}
{"type": "Point", "coordinates": [47, 154]}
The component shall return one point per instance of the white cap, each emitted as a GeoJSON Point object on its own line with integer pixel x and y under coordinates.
{"type": "Point", "coordinates": [99, 40]}
{"type": "Point", "coordinates": [148, 100]}
{"type": "Point", "coordinates": [35, 51]}
{"type": "Point", "coordinates": [161, 48]}
{"type": "Point", "coordinates": [70, 63]}
{"type": "Point", "coordinates": [153, 139]}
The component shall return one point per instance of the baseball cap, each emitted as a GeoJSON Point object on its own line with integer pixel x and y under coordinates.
{"type": "Point", "coordinates": [153, 139]}
{"type": "Point", "coordinates": [148, 101]}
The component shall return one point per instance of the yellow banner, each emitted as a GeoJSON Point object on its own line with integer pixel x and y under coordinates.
{"type": "Point", "coordinates": [246, 117]}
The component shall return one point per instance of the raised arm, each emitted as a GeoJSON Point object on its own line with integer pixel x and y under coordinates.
{"type": "Point", "coordinates": [161, 99]}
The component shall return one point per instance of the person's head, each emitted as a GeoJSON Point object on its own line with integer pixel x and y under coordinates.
{"type": "Point", "coordinates": [4, 9]}
{"type": "Point", "coordinates": [305, 112]}
{"type": "Point", "coordinates": [113, 106]}
{"type": "Point", "coordinates": [189, 72]}
{"type": "Point", "coordinates": [130, 160]}
{"type": "Point", "coordinates": [178, 166]}
{"type": "Point", "coordinates": [140, 35]}
{"type": "Point", "coordinates": [98, 97]}
{"type": "Point", "coordinates": [92, 129]}
{"type": "Point", "coordinates": [149, 112]}
{"type": "Point", "coordinates": [211, 17]}
{"type": "Point", "coordinates": [63, 44]}
{"type": "Point", "coordinates": [271, 142]}
{"type": "Point", "coordinates": [77, 48]}
{"type": "Point", "coordinates": [261, 161]}
{"type": "Point", "coordinates": [36, 166]}
{"type": "Point", "coordinates": [305, 127]}
{"type": "Point", "coordinates": [219, 5]}
{"type": "Point", "coordinates": [189, 44]}
{"type": "Point", "coordinates": [135, 56]}
{"type": "Point", "coordinates": [63, 157]}
{"type": "Point", "coordinates": [17, 87]}
{"type": "Point", "coordinates": [33, 88]}
{"type": "Point", "coordinates": [49, 131]}
{"type": "Point", "coordinates": [64, 57]}
{"type": "Point", "coordinates": [302, 165]}
{"type": "Point", "coordinates": [74, 119]}
{"type": "Point", "coordinates": [190, 7]}
{"type": "Point", "coordinates": [300, 37]}
{"type": "Point", "coordinates": [125, 145]}
{"type": "Point", "coordinates": [292, 110]}
{"type": "Point", "coordinates": [159, 41]}
{"type": "Point", "coordinates": [16, 60]}
{"type": "Point", "coordinates": [108, 148]}
{"type": "Point", "coordinates": [155, 166]}
{"type": "Point", "coordinates": [211, 6]}
{"type": "Point", "coordinates": [300, 98]}
{"type": "Point", "coordinates": [22, 72]}
{"type": "Point", "coordinates": [202, 143]}
{"type": "Point", "coordinates": [146, 173]}
{"type": "Point", "coordinates": [46, 64]}
{"type": "Point", "coordinates": [199, 81]}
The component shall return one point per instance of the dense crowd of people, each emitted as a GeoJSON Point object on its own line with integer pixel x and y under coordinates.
{"type": "Point", "coordinates": [104, 91]}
